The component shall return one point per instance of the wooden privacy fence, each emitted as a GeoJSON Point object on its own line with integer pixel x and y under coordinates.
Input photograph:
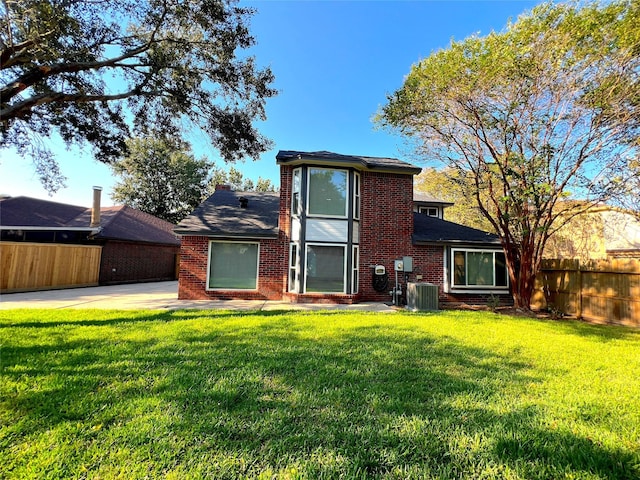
{"type": "Point", "coordinates": [39, 266]}
{"type": "Point", "coordinates": [603, 291]}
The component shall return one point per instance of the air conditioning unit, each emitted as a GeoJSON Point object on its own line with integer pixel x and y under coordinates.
{"type": "Point", "coordinates": [422, 296]}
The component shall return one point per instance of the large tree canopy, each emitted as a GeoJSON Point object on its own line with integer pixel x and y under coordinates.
{"type": "Point", "coordinates": [93, 70]}
{"type": "Point", "coordinates": [161, 177]}
{"type": "Point", "coordinates": [545, 109]}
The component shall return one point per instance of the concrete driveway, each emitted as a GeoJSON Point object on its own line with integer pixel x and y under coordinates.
{"type": "Point", "coordinates": [156, 295]}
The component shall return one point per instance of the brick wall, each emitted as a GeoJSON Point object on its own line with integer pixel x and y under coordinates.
{"type": "Point", "coordinates": [386, 227]}
{"type": "Point", "coordinates": [127, 262]}
{"type": "Point", "coordinates": [193, 272]}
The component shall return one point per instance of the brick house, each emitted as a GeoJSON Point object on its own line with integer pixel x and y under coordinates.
{"type": "Point", "coordinates": [341, 230]}
{"type": "Point", "coordinates": [135, 246]}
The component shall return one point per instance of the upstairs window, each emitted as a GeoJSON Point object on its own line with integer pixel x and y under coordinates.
{"type": "Point", "coordinates": [479, 268]}
{"type": "Point", "coordinates": [356, 195]}
{"type": "Point", "coordinates": [295, 192]}
{"type": "Point", "coordinates": [429, 211]}
{"type": "Point", "coordinates": [327, 192]}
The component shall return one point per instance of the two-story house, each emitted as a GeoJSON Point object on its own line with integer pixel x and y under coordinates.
{"type": "Point", "coordinates": [342, 229]}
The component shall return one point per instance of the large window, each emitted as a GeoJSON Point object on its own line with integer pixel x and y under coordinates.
{"type": "Point", "coordinates": [327, 192]}
{"type": "Point", "coordinates": [325, 270]}
{"type": "Point", "coordinates": [479, 268]}
{"type": "Point", "coordinates": [233, 266]}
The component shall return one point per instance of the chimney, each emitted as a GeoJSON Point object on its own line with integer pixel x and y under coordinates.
{"type": "Point", "coordinates": [95, 209]}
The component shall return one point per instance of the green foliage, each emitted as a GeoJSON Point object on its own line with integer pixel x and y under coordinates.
{"type": "Point", "coordinates": [286, 395]}
{"type": "Point", "coordinates": [161, 177]}
{"type": "Point", "coordinates": [91, 71]}
{"type": "Point", "coordinates": [235, 179]}
{"type": "Point", "coordinates": [547, 108]}
{"type": "Point", "coordinates": [449, 185]}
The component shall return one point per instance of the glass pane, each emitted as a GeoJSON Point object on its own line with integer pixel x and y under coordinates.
{"type": "Point", "coordinates": [501, 270]}
{"type": "Point", "coordinates": [479, 268]}
{"type": "Point", "coordinates": [327, 192]}
{"type": "Point", "coordinates": [459, 270]}
{"type": "Point", "coordinates": [234, 266]}
{"type": "Point", "coordinates": [325, 269]}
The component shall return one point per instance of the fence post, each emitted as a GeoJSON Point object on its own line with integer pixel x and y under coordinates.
{"type": "Point", "coordinates": [579, 299]}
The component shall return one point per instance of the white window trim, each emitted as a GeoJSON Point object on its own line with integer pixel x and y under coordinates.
{"type": "Point", "coordinates": [344, 266]}
{"type": "Point", "coordinates": [425, 211]}
{"type": "Point", "coordinates": [217, 289]}
{"type": "Point", "coordinates": [455, 288]}
{"type": "Point", "coordinates": [308, 189]}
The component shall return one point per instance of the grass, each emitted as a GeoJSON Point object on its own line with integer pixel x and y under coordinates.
{"type": "Point", "coordinates": [185, 394]}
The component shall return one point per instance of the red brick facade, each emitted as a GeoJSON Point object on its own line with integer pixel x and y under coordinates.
{"type": "Point", "coordinates": [126, 262]}
{"type": "Point", "coordinates": [386, 229]}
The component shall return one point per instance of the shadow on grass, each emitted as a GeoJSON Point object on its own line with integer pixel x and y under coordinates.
{"type": "Point", "coordinates": [363, 401]}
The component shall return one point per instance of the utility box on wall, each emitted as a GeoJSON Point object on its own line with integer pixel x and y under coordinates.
{"type": "Point", "coordinates": [422, 296]}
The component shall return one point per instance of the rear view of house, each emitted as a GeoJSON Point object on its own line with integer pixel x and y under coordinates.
{"type": "Point", "coordinates": [342, 229]}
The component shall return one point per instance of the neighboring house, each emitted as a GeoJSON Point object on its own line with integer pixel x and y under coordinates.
{"type": "Point", "coordinates": [136, 246]}
{"type": "Point", "coordinates": [334, 234]}
{"type": "Point", "coordinates": [600, 233]}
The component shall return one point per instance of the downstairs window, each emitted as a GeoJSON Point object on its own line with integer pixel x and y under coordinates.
{"type": "Point", "coordinates": [479, 268]}
{"type": "Point", "coordinates": [233, 266]}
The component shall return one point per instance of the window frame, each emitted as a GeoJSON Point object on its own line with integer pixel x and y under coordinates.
{"type": "Point", "coordinates": [293, 283]}
{"type": "Point", "coordinates": [493, 287]}
{"type": "Point", "coordinates": [344, 267]}
{"type": "Point", "coordinates": [425, 211]}
{"type": "Point", "coordinates": [308, 193]}
{"type": "Point", "coordinates": [355, 268]}
{"type": "Point", "coordinates": [357, 203]}
{"type": "Point", "coordinates": [296, 190]}
{"type": "Point", "coordinates": [208, 281]}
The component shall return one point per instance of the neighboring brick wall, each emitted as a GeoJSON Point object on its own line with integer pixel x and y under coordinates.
{"type": "Point", "coordinates": [193, 272]}
{"type": "Point", "coordinates": [129, 262]}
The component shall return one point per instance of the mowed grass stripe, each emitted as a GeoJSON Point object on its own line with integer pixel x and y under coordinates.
{"type": "Point", "coordinates": [193, 394]}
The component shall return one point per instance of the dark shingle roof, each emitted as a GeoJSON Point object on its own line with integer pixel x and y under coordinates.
{"type": "Point", "coordinates": [429, 230]}
{"type": "Point", "coordinates": [33, 212]}
{"type": "Point", "coordinates": [116, 223]}
{"type": "Point", "coordinates": [221, 215]}
{"type": "Point", "coordinates": [329, 158]}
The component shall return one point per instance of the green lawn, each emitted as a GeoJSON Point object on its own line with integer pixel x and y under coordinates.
{"type": "Point", "coordinates": [192, 394]}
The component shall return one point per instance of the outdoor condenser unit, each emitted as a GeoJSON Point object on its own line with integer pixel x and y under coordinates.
{"type": "Point", "coordinates": [422, 296]}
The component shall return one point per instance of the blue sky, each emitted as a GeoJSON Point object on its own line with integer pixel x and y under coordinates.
{"type": "Point", "coordinates": [334, 63]}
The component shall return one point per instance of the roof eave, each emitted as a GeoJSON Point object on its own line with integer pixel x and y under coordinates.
{"type": "Point", "coordinates": [357, 163]}
{"type": "Point", "coordinates": [53, 229]}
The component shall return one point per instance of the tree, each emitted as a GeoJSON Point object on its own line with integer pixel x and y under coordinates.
{"type": "Point", "coordinates": [161, 177]}
{"type": "Point", "coordinates": [448, 185]}
{"type": "Point", "coordinates": [234, 178]}
{"type": "Point", "coordinates": [92, 70]}
{"type": "Point", "coordinates": [546, 109]}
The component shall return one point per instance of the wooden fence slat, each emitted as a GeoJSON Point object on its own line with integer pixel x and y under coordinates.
{"type": "Point", "coordinates": [34, 266]}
